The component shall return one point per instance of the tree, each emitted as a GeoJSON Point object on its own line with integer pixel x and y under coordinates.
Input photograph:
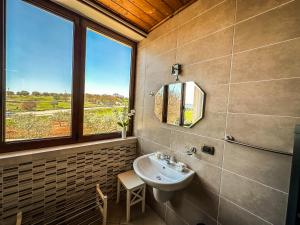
{"type": "Point", "coordinates": [46, 94]}
{"type": "Point", "coordinates": [36, 93]}
{"type": "Point", "coordinates": [65, 97]}
{"type": "Point", "coordinates": [56, 96]}
{"type": "Point", "coordinates": [23, 93]}
{"type": "Point", "coordinates": [28, 106]}
{"type": "Point", "coordinates": [10, 93]}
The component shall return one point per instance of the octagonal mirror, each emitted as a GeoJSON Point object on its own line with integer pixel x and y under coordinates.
{"type": "Point", "coordinates": [180, 104]}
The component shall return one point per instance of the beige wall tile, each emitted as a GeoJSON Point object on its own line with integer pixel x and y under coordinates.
{"type": "Point", "coordinates": [149, 146]}
{"type": "Point", "coordinates": [143, 43]}
{"type": "Point", "coordinates": [197, 8]}
{"type": "Point", "coordinates": [277, 97]}
{"type": "Point", "coordinates": [163, 29]}
{"type": "Point", "coordinates": [208, 73]}
{"type": "Point", "coordinates": [266, 131]}
{"type": "Point", "coordinates": [152, 131]}
{"type": "Point", "coordinates": [266, 167]}
{"type": "Point", "coordinates": [212, 125]}
{"type": "Point", "coordinates": [215, 19]}
{"type": "Point", "coordinates": [272, 62]}
{"type": "Point", "coordinates": [173, 219]}
{"type": "Point", "coordinates": [205, 200]}
{"type": "Point", "coordinates": [138, 121]}
{"type": "Point", "coordinates": [215, 45]}
{"type": "Point", "coordinates": [189, 212]}
{"type": "Point", "coordinates": [277, 25]}
{"type": "Point", "coordinates": [250, 8]}
{"type": "Point", "coordinates": [140, 77]}
{"type": "Point", "coordinates": [158, 65]}
{"type": "Point", "coordinates": [181, 142]}
{"type": "Point", "coordinates": [263, 201]}
{"type": "Point", "coordinates": [216, 98]}
{"type": "Point", "coordinates": [232, 214]}
{"type": "Point", "coordinates": [158, 71]}
{"type": "Point", "coordinates": [163, 43]}
{"type": "Point", "coordinates": [194, 39]}
{"type": "Point", "coordinates": [207, 174]}
{"type": "Point", "coordinates": [158, 207]}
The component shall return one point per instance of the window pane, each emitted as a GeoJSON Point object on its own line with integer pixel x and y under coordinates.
{"type": "Point", "coordinates": [39, 52]}
{"type": "Point", "coordinates": [107, 78]}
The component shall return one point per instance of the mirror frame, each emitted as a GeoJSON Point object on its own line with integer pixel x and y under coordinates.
{"type": "Point", "coordinates": [164, 110]}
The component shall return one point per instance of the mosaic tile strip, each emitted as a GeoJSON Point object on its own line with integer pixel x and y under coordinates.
{"type": "Point", "coordinates": [61, 189]}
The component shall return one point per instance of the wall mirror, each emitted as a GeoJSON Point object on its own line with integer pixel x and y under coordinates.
{"type": "Point", "coordinates": [180, 104]}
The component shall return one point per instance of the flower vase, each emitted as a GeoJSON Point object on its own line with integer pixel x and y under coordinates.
{"type": "Point", "coordinates": [124, 132]}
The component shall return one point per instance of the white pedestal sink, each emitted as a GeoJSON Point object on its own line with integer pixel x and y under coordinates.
{"type": "Point", "coordinates": [164, 177]}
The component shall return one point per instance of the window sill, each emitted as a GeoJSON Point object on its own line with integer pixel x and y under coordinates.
{"type": "Point", "coordinates": [49, 152]}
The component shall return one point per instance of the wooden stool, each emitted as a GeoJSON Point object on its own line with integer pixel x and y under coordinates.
{"type": "Point", "coordinates": [136, 190]}
{"type": "Point", "coordinates": [19, 218]}
{"type": "Point", "coordinates": [101, 201]}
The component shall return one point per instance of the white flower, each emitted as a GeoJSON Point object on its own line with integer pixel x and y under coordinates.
{"type": "Point", "coordinates": [132, 111]}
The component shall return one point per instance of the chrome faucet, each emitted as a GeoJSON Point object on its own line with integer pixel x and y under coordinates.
{"type": "Point", "coordinates": [191, 150]}
{"type": "Point", "coordinates": [169, 159]}
{"type": "Point", "coordinates": [166, 158]}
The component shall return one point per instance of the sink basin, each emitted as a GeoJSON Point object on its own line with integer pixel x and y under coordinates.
{"type": "Point", "coordinates": [163, 177]}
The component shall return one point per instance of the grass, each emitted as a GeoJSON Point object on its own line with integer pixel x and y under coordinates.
{"type": "Point", "coordinates": [15, 103]}
{"type": "Point", "coordinates": [33, 126]}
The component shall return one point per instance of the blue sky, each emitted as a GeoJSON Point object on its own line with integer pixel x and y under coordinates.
{"type": "Point", "coordinates": [39, 53]}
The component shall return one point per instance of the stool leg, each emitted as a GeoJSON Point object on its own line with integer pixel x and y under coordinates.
{"type": "Point", "coordinates": [104, 211]}
{"type": "Point", "coordinates": [128, 200]}
{"type": "Point", "coordinates": [144, 198]}
{"type": "Point", "coordinates": [118, 190]}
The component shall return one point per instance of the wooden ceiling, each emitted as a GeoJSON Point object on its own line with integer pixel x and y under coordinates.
{"type": "Point", "coordinates": [144, 14]}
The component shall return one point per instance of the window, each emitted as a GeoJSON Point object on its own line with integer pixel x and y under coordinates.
{"type": "Point", "coordinates": [64, 78]}
{"type": "Point", "coordinates": [38, 73]}
{"type": "Point", "coordinates": [107, 78]}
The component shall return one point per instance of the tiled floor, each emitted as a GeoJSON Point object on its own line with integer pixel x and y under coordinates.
{"type": "Point", "coordinates": [117, 215]}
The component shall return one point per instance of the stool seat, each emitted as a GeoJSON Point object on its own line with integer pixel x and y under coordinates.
{"type": "Point", "coordinates": [135, 190]}
{"type": "Point", "coordinates": [130, 180]}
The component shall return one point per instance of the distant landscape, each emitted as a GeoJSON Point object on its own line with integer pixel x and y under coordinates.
{"type": "Point", "coordinates": [32, 115]}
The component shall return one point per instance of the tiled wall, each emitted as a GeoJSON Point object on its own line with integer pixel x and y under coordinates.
{"type": "Point", "coordinates": [57, 186]}
{"type": "Point", "coordinates": [245, 54]}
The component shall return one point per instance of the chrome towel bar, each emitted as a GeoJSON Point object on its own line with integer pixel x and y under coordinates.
{"type": "Point", "coordinates": [232, 140]}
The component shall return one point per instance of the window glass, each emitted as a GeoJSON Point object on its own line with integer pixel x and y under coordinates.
{"type": "Point", "coordinates": [39, 53]}
{"type": "Point", "coordinates": [107, 79]}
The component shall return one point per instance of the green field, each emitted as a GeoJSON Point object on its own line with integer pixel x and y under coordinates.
{"type": "Point", "coordinates": [19, 103]}
{"type": "Point", "coordinates": [32, 117]}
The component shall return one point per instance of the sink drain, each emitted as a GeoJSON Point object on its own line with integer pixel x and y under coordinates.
{"type": "Point", "coordinates": [158, 177]}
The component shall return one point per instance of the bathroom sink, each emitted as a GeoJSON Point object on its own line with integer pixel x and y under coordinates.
{"type": "Point", "coordinates": [164, 177]}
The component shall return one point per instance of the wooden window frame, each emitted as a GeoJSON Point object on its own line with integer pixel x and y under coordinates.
{"type": "Point", "coordinates": [78, 78]}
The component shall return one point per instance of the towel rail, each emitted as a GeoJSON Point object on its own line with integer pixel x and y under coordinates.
{"type": "Point", "coordinates": [232, 140]}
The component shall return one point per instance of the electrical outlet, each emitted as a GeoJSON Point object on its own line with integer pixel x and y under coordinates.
{"type": "Point", "coordinates": [208, 150]}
